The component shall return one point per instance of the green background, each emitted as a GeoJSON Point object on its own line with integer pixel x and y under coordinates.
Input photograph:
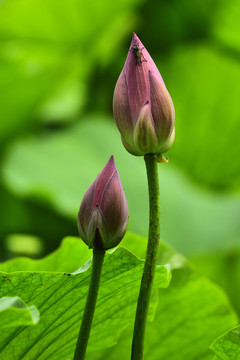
{"type": "Point", "coordinates": [59, 62]}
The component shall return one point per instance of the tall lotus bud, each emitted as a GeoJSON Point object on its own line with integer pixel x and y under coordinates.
{"type": "Point", "coordinates": [142, 106]}
{"type": "Point", "coordinates": [103, 214]}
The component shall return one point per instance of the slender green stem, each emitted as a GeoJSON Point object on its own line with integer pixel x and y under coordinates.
{"type": "Point", "coordinates": [151, 258]}
{"type": "Point", "coordinates": [81, 347]}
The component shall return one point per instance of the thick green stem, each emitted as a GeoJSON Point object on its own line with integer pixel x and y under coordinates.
{"type": "Point", "coordinates": [81, 347]}
{"type": "Point", "coordinates": [151, 258]}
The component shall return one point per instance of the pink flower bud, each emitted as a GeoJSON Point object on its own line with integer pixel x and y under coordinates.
{"type": "Point", "coordinates": [103, 214]}
{"type": "Point", "coordinates": [142, 106]}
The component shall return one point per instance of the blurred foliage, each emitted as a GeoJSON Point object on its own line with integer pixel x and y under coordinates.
{"type": "Point", "coordinates": [59, 62]}
{"type": "Point", "coordinates": [206, 97]}
{"type": "Point", "coordinates": [48, 50]}
{"type": "Point", "coordinates": [224, 268]}
{"type": "Point", "coordinates": [33, 167]}
{"type": "Point", "coordinates": [22, 244]}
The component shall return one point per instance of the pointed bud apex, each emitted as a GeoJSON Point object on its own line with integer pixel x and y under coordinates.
{"type": "Point", "coordinates": [142, 106]}
{"type": "Point", "coordinates": [103, 214]}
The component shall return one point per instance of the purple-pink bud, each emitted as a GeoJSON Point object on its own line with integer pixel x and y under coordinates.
{"type": "Point", "coordinates": [103, 214]}
{"type": "Point", "coordinates": [142, 106]}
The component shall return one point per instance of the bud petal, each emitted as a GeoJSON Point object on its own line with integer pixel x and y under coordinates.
{"type": "Point", "coordinates": [86, 210]}
{"type": "Point", "coordinates": [161, 107]}
{"type": "Point", "coordinates": [97, 229]}
{"type": "Point", "coordinates": [114, 207]}
{"type": "Point", "coordinates": [168, 143]}
{"type": "Point", "coordinates": [121, 108]}
{"type": "Point", "coordinates": [145, 138]}
{"type": "Point", "coordinates": [103, 214]}
{"type": "Point", "coordinates": [130, 147]}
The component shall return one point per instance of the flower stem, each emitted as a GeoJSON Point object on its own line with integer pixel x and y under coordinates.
{"type": "Point", "coordinates": [81, 347]}
{"type": "Point", "coordinates": [151, 258]}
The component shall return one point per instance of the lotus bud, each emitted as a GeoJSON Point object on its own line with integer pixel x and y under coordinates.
{"type": "Point", "coordinates": [103, 214]}
{"type": "Point", "coordinates": [142, 106]}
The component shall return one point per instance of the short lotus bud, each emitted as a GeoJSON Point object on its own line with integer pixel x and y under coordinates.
{"type": "Point", "coordinates": [142, 106]}
{"type": "Point", "coordinates": [103, 214]}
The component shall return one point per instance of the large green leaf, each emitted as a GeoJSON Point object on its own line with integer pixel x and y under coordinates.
{"type": "Point", "coordinates": [14, 312]}
{"type": "Point", "coordinates": [191, 313]}
{"type": "Point", "coordinates": [34, 168]}
{"type": "Point", "coordinates": [227, 346]}
{"type": "Point", "coordinates": [60, 298]}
